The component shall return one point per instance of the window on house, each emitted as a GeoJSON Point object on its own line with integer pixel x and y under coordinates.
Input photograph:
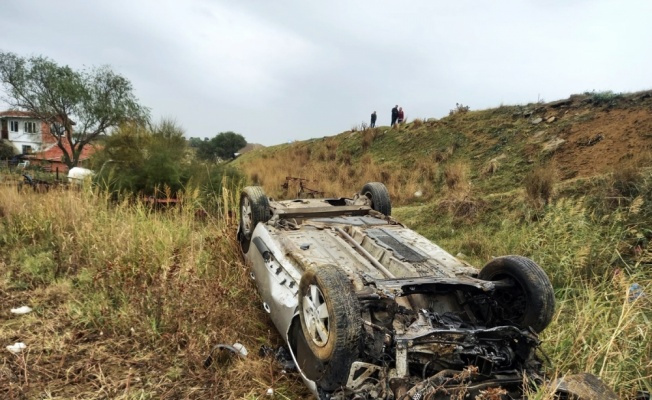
{"type": "Point", "coordinates": [27, 149]}
{"type": "Point", "coordinates": [56, 129]}
{"type": "Point", "coordinates": [13, 126]}
{"type": "Point", "coordinates": [30, 127]}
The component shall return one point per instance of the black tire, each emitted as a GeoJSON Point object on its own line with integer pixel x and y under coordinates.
{"type": "Point", "coordinates": [331, 322]}
{"type": "Point", "coordinates": [254, 208]}
{"type": "Point", "coordinates": [530, 303]}
{"type": "Point", "coordinates": [379, 196]}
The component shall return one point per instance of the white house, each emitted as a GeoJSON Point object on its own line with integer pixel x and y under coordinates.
{"type": "Point", "coordinates": [27, 133]}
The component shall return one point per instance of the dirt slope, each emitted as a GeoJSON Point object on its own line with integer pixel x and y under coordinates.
{"type": "Point", "coordinates": [598, 138]}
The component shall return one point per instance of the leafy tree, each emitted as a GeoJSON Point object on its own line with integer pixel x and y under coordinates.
{"type": "Point", "coordinates": [78, 105]}
{"type": "Point", "coordinates": [141, 160]}
{"type": "Point", "coordinates": [221, 147]}
{"type": "Point", "coordinates": [196, 142]}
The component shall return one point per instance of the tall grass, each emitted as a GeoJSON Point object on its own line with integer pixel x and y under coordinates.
{"type": "Point", "coordinates": [340, 172]}
{"type": "Point", "coordinates": [128, 301]}
{"type": "Point", "coordinates": [540, 185]}
{"type": "Point", "coordinates": [592, 258]}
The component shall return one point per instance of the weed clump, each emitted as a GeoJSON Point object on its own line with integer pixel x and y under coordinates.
{"type": "Point", "coordinates": [627, 180]}
{"type": "Point", "coordinates": [459, 109]}
{"type": "Point", "coordinates": [368, 138]}
{"type": "Point", "coordinates": [462, 208]}
{"type": "Point", "coordinates": [443, 155]}
{"type": "Point", "coordinates": [607, 97]}
{"type": "Point", "coordinates": [540, 185]}
{"type": "Point", "coordinates": [456, 176]}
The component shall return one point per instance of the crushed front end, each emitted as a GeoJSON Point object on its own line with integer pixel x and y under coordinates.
{"type": "Point", "coordinates": [436, 356]}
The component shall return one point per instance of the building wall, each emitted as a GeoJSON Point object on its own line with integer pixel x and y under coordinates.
{"type": "Point", "coordinates": [38, 140]}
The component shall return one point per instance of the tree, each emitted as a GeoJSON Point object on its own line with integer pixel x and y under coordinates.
{"type": "Point", "coordinates": [7, 150]}
{"type": "Point", "coordinates": [78, 105]}
{"type": "Point", "coordinates": [142, 160]}
{"type": "Point", "coordinates": [195, 142]}
{"type": "Point", "coordinates": [223, 146]}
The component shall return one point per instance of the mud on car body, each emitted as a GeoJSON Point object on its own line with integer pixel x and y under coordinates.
{"type": "Point", "coordinates": [372, 310]}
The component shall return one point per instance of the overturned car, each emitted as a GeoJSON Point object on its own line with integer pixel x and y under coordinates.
{"type": "Point", "coordinates": [372, 310]}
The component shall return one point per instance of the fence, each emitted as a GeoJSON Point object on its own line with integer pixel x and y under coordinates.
{"type": "Point", "coordinates": [12, 173]}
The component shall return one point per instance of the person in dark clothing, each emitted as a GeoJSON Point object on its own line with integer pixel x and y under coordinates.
{"type": "Point", "coordinates": [373, 120]}
{"type": "Point", "coordinates": [394, 115]}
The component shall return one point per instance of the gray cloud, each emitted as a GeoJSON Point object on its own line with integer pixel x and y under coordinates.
{"type": "Point", "coordinates": [281, 70]}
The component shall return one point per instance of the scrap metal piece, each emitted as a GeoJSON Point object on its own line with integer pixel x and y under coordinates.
{"type": "Point", "coordinates": [584, 386]}
{"type": "Point", "coordinates": [237, 348]}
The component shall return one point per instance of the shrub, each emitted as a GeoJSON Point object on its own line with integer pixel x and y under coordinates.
{"type": "Point", "coordinates": [7, 150]}
{"type": "Point", "coordinates": [608, 97]}
{"type": "Point", "coordinates": [459, 109]}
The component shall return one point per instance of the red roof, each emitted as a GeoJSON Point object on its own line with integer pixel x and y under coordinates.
{"type": "Point", "coordinates": [54, 153]}
{"type": "Point", "coordinates": [15, 113]}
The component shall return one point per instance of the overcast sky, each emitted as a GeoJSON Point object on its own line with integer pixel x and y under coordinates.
{"type": "Point", "coordinates": [280, 70]}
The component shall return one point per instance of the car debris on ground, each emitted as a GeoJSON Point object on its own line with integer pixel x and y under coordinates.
{"type": "Point", "coordinates": [21, 310]}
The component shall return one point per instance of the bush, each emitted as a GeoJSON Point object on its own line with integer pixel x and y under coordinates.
{"type": "Point", "coordinates": [459, 109]}
{"type": "Point", "coordinates": [7, 150]}
{"type": "Point", "coordinates": [608, 97]}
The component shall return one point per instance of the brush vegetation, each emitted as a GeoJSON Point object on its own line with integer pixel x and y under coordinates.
{"type": "Point", "coordinates": [129, 301]}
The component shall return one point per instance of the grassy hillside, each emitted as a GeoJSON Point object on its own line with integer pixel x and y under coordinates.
{"type": "Point", "coordinates": [128, 301]}
{"type": "Point", "coordinates": [495, 149]}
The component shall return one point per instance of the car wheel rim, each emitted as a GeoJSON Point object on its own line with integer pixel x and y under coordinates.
{"type": "Point", "coordinates": [246, 215]}
{"type": "Point", "coordinates": [315, 315]}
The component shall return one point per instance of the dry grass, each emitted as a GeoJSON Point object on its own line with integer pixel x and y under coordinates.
{"type": "Point", "coordinates": [443, 155]}
{"type": "Point", "coordinates": [540, 185]}
{"type": "Point", "coordinates": [340, 172]}
{"type": "Point", "coordinates": [456, 177]}
{"type": "Point", "coordinates": [461, 207]}
{"type": "Point", "coordinates": [368, 137]}
{"type": "Point", "coordinates": [127, 302]}
{"type": "Point", "coordinates": [627, 180]}
{"type": "Point", "coordinates": [417, 123]}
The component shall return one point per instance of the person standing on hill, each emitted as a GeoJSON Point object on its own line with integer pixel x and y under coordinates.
{"type": "Point", "coordinates": [394, 115]}
{"type": "Point", "coordinates": [373, 120]}
{"type": "Point", "coordinates": [401, 116]}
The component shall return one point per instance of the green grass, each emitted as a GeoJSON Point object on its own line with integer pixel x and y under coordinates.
{"type": "Point", "coordinates": [592, 251]}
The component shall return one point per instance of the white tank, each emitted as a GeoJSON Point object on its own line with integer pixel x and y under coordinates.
{"type": "Point", "coordinates": [78, 175]}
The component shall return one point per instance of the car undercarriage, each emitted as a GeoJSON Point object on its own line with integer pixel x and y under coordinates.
{"type": "Point", "coordinates": [372, 310]}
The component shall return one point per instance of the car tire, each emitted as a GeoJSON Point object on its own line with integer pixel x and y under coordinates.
{"type": "Point", "coordinates": [528, 304]}
{"type": "Point", "coordinates": [330, 322]}
{"type": "Point", "coordinates": [254, 208]}
{"type": "Point", "coordinates": [379, 196]}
